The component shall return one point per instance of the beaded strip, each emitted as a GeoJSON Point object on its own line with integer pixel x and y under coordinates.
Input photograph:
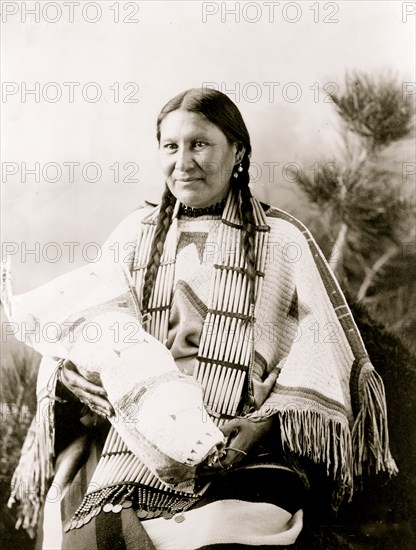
{"type": "Point", "coordinates": [213, 210]}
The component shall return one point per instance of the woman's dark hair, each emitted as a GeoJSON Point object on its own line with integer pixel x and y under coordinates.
{"type": "Point", "coordinates": [221, 111]}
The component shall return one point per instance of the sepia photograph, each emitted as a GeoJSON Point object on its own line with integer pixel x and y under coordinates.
{"type": "Point", "coordinates": [208, 275]}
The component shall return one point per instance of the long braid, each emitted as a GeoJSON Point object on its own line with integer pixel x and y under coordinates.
{"type": "Point", "coordinates": [249, 224]}
{"type": "Point", "coordinates": [163, 223]}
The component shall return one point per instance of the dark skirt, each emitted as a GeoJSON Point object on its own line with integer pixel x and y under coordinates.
{"type": "Point", "coordinates": [244, 492]}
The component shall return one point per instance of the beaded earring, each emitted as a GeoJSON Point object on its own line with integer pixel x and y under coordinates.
{"type": "Point", "coordinates": [239, 169]}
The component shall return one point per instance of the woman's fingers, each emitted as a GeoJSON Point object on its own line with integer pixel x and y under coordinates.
{"type": "Point", "coordinates": [237, 449]}
{"type": "Point", "coordinates": [231, 426]}
{"type": "Point", "coordinates": [102, 406]}
{"type": "Point", "coordinates": [99, 410]}
{"type": "Point", "coordinates": [96, 403]}
{"type": "Point", "coordinates": [241, 434]}
{"type": "Point", "coordinates": [238, 442]}
{"type": "Point", "coordinates": [88, 393]}
{"type": "Point", "coordinates": [71, 374]}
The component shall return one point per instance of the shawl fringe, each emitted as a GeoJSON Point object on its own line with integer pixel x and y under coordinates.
{"type": "Point", "coordinates": [35, 470]}
{"type": "Point", "coordinates": [370, 435]}
{"type": "Point", "coordinates": [32, 476]}
{"type": "Point", "coordinates": [348, 454]}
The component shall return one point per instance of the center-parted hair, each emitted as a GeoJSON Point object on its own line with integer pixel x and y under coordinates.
{"type": "Point", "coordinates": [221, 111]}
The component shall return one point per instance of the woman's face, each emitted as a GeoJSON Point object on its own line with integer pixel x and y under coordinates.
{"type": "Point", "coordinates": [197, 159]}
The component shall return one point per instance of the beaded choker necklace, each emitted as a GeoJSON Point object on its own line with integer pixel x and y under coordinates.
{"type": "Point", "coordinates": [213, 210]}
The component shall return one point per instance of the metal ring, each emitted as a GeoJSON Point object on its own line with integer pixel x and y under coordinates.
{"type": "Point", "coordinates": [234, 449]}
{"type": "Point", "coordinates": [219, 462]}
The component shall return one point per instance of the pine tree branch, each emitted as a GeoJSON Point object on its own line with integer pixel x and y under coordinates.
{"type": "Point", "coordinates": [338, 248]}
{"type": "Point", "coordinates": [368, 279]}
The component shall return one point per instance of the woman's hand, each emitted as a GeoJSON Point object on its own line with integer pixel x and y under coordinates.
{"type": "Point", "coordinates": [91, 394]}
{"type": "Point", "coordinates": [242, 434]}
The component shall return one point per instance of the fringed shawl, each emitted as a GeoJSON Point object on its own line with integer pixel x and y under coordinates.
{"type": "Point", "coordinates": [297, 355]}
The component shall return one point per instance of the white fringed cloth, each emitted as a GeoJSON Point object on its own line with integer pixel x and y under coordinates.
{"type": "Point", "coordinates": [298, 355]}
